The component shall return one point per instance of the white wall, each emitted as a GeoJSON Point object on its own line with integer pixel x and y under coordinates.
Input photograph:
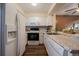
{"type": "Point", "coordinates": [22, 40]}
{"type": "Point", "coordinates": [10, 17]}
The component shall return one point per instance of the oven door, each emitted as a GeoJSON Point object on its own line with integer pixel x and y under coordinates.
{"type": "Point", "coordinates": [33, 36]}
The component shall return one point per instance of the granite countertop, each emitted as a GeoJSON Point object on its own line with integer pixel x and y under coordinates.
{"type": "Point", "coordinates": [66, 42]}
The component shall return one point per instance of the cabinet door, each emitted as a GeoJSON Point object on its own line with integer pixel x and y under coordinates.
{"type": "Point", "coordinates": [57, 47]}
{"type": "Point", "coordinates": [49, 21]}
{"type": "Point", "coordinates": [41, 38]}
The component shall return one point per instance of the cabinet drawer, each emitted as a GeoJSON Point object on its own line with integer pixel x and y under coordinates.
{"type": "Point", "coordinates": [52, 51]}
{"type": "Point", "coordinates": [57, 47]}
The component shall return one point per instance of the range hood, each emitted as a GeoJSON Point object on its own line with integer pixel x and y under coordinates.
{"type": "Point", "coordinates": [36, 25]}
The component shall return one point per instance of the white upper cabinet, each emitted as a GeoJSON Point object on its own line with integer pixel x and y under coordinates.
{"type": "Point", "coordinates": [32, 21]}
{"type": "Point", "coordinates": [38, 21]}
{"type": "Point", "coordinates": [49, 21]}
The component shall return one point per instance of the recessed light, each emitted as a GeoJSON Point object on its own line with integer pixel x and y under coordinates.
{"type": "Point", "coordinates": [34, 4]}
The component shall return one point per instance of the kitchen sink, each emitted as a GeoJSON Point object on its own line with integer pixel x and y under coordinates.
{"type": "Point", "coordinates": [53, 33]}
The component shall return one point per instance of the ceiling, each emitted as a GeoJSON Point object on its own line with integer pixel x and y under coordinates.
{"type": "Point", "coordinates": [40, 8]}
{"type": "Point", "coordinates": [60, 9]}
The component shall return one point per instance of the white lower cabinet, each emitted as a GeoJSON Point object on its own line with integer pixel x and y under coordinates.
{"type": "Point", "coordinates": [57, 47]}
{"type": "Point", "coordinates": [53, 49]}
{"type": "Point", "coordinates": [41, 37]}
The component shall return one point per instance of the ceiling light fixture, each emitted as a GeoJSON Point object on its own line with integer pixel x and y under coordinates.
{"type": "Point", "coordinates": [34, 4]}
